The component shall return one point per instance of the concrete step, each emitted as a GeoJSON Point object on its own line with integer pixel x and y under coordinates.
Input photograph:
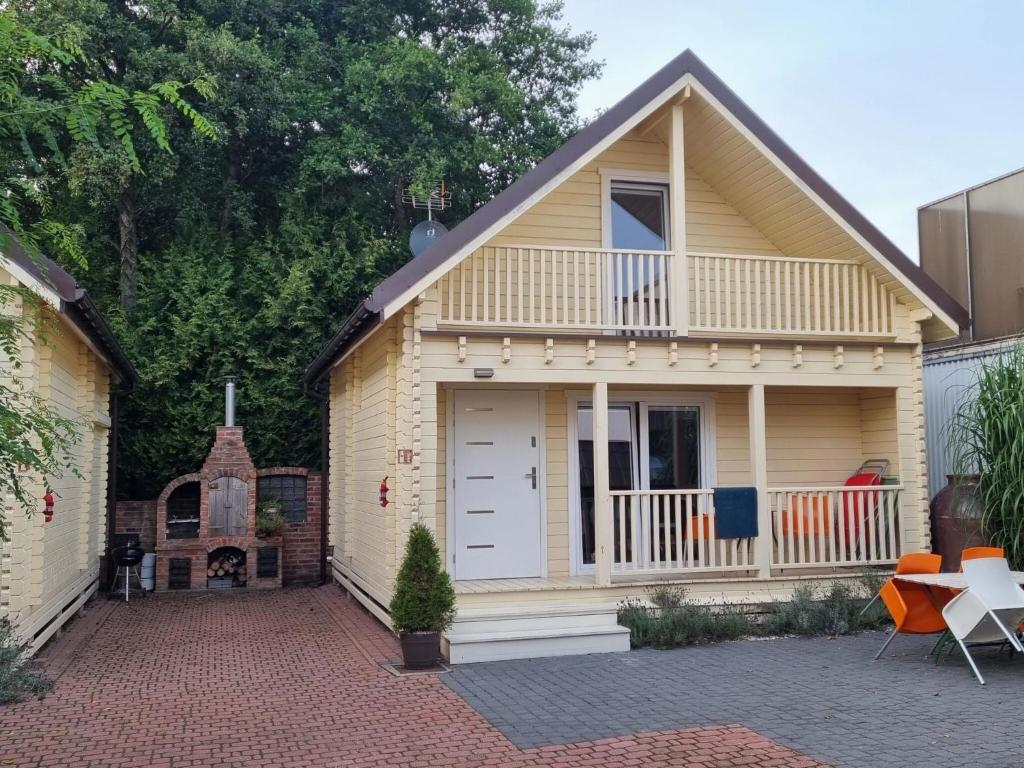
{"type": "Point", "coordinates": [494, 635]}
{"type": "Point", "coordinates": [555, 617]}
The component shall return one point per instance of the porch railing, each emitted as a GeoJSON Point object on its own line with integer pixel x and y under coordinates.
{"type": "Point", "coordinates": [570, 288]}
{"type": "Point", "coordinates": [659, 531]}
{"type": "Point", "coordinates": [779, 294]}
{"type": "Point", "coordinates": [828, 526]}
{"type": "Point", "coordinates": [811, 527]}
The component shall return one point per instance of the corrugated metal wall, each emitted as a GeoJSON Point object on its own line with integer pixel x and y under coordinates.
{"type": "Point", "coordinates": [949, 378]}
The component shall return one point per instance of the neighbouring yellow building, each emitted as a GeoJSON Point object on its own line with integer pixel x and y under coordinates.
{"type": "Point", "coordinates": [674, 284]}
{"type": "Point", "coordinates": [48, 570]}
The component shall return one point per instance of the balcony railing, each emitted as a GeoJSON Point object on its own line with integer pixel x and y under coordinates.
{"type": "Point", "coordinates": [627, 291]}
{"type": "Point", "coordinates": [568, 288]}
{"type": "Point", "coordinates": [768, 294]}
{"type": "Point", "coordinates": [825, 526]}
{"type": "Point", "coordinates": [675, 532]}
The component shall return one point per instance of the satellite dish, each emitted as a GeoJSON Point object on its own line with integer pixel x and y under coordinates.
{"type": "Point", "coordinates": [424, 235]}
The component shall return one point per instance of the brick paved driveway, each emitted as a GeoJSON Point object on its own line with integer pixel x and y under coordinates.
{"type": "Point", "coordinates": [824, 698]}
{"type": "Point", "coordinates": [290, 679]}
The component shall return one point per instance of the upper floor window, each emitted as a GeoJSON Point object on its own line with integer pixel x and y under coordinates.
{"type": "Point", "coordinates": [290, 490]}
{"type": "Point", "coordinates": [639, 216]}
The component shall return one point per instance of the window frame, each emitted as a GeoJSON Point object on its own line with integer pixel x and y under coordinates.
{"type": "Point", "coordinates": [288, 514]}
{"type": "Point", "coordinates": [619, 177]}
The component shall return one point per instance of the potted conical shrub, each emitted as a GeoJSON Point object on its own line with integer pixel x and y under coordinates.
{"type": "Point", "coordinates": [423, 605]}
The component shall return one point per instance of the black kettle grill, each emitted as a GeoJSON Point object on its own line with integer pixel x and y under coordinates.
{"type": "Point", "coordinates": [126, 559]}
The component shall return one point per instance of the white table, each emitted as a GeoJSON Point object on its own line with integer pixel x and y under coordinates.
{"type": "Point", "coordinates": [950, 580]}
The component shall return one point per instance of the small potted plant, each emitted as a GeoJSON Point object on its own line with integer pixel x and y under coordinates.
{"type": "Point", "coordinates": [269, 518]}
{"type": "Point", "coordinates": [423, 605]}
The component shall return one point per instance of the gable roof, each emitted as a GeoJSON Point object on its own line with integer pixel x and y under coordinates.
{"type": "Point", "coordinates": [74, 303]}
{"type": "Point", "coordinates": [375, 308]}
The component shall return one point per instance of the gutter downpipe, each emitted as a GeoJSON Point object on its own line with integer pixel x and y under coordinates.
{"type": "Point", "coordinates": [113, 441]}
{"type": "Point", "coordinates": [313, 390]}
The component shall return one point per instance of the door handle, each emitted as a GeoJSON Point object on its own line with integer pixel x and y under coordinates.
{"type": "Point", "coordinates": [532, 474]}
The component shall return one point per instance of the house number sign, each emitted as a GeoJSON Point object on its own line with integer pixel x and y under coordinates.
{"type": "Point", "coordinates": [405, 455]}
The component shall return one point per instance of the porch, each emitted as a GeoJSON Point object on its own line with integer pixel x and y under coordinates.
{"type": "Point", "coordinates": [645, 511]}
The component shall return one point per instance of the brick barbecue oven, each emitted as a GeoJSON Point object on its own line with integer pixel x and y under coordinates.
{"type": "Point", "coordinates": [206, 522]}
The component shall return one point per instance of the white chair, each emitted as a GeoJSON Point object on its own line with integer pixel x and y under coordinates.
{"type": "Point", "coordinates": [983, 612]}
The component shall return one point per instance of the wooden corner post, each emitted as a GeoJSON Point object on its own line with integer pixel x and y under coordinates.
{"type": "Point", "coordinates": [759, 470]}
{"type": "Point", "coordinates": [603, 535]}
{"type": "Point", "coordinates": [679, 274]}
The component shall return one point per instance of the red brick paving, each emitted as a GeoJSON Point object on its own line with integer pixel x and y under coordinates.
{"type": "Point", "coordinates": [289, 679]}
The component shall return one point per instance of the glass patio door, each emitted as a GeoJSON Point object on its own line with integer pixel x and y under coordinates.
{"type": "Point", "coordinates": [651, 446]}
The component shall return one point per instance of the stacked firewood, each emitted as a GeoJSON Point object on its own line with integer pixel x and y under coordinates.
{"type": "Point", "coordinates": [227, 565]}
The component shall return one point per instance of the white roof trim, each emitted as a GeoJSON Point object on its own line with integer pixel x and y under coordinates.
{"type": "Point", "coordinates": [30, 281]}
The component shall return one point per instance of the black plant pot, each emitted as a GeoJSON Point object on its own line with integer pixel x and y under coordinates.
{"type": "Point", "coordinates": [420, 649]}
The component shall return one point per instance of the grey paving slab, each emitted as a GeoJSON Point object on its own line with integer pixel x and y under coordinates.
{"type": "Point", "coordinates": [823, 697]}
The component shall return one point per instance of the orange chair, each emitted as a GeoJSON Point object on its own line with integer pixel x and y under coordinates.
{"type": "Point", "coordinates": [913, 607]}
{"type": "Point", "coordinates": [976, 553]}
{"type": "Point", "coordinates": [701, 527]}
{"type": "Point", "coordinates": [913, 562]}
{"type": "Point", "coordinates": [809, 515]}
{"type": "Point", "coordinates": [919, 562]}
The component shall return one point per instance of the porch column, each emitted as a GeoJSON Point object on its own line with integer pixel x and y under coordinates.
{"type": "Point", "coordinates": [680, 313]}
{"type": "Point", "coordinates": [759, 471]}
{"type": "Point", "coordinates": [603, 544]}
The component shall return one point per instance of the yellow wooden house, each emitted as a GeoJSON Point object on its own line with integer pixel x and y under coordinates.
{"type": "Point", "coordinates": [75, 366]}
{"type": "Point", "coordinates": [676, 285]}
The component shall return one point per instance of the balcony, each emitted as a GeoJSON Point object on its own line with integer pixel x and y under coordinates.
{"type": "Point", "coordinates": [526, 287]}
{"type": "Point", "coordinates": [532, 287]}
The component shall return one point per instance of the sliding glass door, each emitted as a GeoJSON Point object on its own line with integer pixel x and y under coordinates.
{"type": "Point", "coordinates": [652, 445]}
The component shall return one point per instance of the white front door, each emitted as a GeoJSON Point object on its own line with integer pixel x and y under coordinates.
{"type": "Point", "coordinates": [497, 478]}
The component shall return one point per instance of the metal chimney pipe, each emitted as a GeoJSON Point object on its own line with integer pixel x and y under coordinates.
{"type": "Point", "coordinates": [229, 402]}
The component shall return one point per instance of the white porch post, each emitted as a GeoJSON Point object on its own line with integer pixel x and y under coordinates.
{"type": "Point", "coordinates": [759, 470]}
{"type": "Point", "coordinates": [603, 535]}
{"type": "Point", "coordinates": [680, 312]}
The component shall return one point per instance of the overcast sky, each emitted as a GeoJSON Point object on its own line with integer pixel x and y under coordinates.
{"type": "Point", "coordinates": [894, 103]}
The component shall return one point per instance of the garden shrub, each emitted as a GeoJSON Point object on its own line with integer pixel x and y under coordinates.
{"type": "Point", "coordinates": [18, 675]}
{"type": "Point", "coordinates": [424, 600]}
{"type": "Point", "coordinates": [672, 620]}
{"type": "Point", "coordinates": [668, 619]}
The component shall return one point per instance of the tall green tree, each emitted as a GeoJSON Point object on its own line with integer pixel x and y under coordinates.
{"type": "Point", "coordinates": [243, 256]}
{"type": "Point", "coordinates": [55, 104]}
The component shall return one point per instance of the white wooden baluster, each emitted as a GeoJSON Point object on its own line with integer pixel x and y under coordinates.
{"type": "Point", "coordinates": [871, 510]}
{"type": "Point", "coordinates": [707, 294]}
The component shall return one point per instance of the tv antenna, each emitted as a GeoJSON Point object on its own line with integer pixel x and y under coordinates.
{"type": "Point", "coordinates": [427, 232]}
{"type": "Point", "coordinates": [438, 199]}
